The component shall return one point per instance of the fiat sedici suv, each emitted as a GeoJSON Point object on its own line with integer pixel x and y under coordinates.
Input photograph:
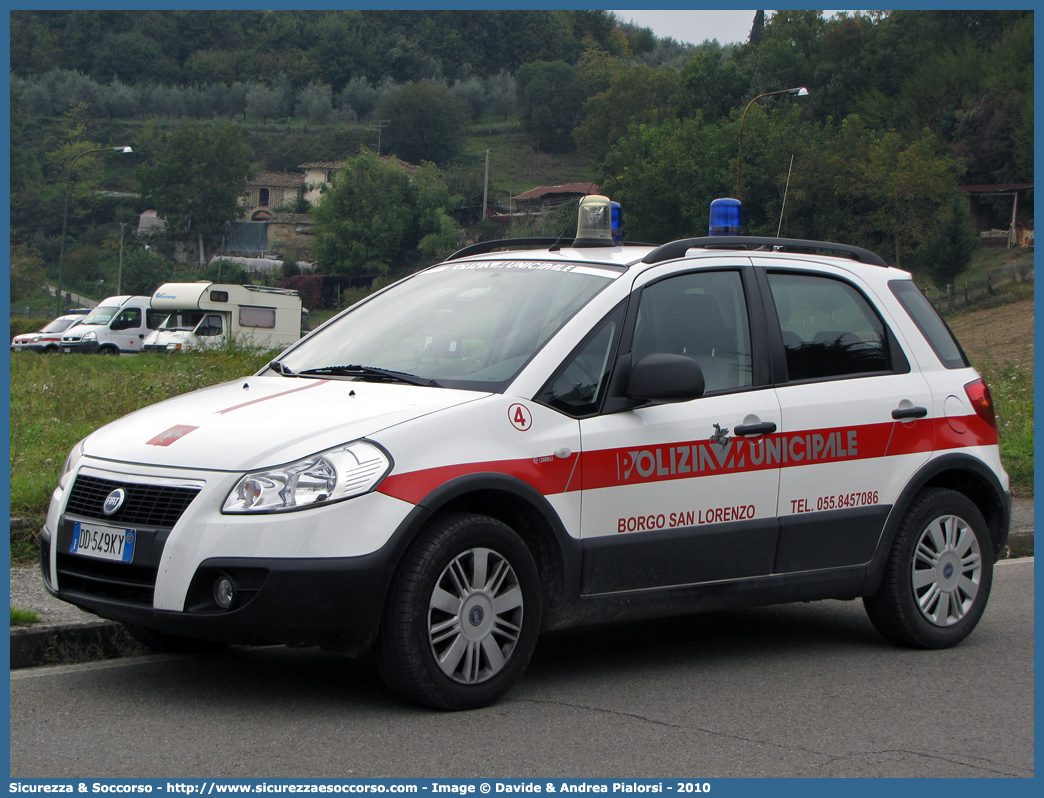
{"type": "Point", "coordinates": [513, 442]}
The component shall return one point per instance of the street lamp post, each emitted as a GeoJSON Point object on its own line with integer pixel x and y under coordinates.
{"type": "Point", "coordinates": [798, 91]}
{"type": "Point", "coordinates": [65, 218]}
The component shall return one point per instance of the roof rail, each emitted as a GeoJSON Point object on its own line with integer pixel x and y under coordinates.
{"type": "Point", "coordinates": [483, 247]}
{"type": "Point", "coordinates": [553, 244]}
{"type": "Point", "coordinates": [677, 249]}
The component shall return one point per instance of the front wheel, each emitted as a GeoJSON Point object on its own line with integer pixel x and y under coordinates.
{"type": "Point", "coordinates": [938, 576]}
{"type": "Point", "coordinates": [463, 616]}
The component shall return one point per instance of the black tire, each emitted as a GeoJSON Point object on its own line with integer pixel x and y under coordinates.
{"type": "Point", "coordinates": [468, 652]}
{"type": "Point", "coordinates": [171, 644]}
{"type": "Point", "coordinates": [938, 576]}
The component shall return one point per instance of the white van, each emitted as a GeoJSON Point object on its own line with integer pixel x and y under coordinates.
{"type": "Point", "coordinates": [117, 324]}
{"type": "Point", "coordinates": [204, 314]}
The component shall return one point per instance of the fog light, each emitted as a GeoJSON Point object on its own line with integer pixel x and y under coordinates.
{"type": "Point", "coordinates": [224, 592]}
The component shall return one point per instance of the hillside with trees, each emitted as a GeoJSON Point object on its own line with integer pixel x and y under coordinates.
{"type": "Point", "coordinates": [903, 109]}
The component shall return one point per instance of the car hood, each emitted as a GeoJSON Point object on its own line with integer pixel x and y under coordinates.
{"type": "Point", "coordinates": [76, 332]}
{"type": "Point", "coordinates": [256, 422]}
{"type": "Point", "coordinates": [164, 337]}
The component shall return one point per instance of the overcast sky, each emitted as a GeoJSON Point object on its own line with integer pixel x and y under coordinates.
{"type": "Point", "coordinates": [693, 27]}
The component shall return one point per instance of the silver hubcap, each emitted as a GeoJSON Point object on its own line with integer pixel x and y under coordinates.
{"type": "Point", "coordinates": [947, 570]}
{"type": "Point", "coordinates": [475, 616]}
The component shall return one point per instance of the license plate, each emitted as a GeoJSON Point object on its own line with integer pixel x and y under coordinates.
{"type": "Point", "coordinates": [66, 349]}
{"type": "Point", "coordinates": [102, 542]}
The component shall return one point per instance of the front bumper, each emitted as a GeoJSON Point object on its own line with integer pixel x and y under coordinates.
{"type": "Point", "coordinates": [317, 577]}
{"type": "Point", "coordinates": [336, 603]}
{"type": "Point", "coordinates": [81, 347]}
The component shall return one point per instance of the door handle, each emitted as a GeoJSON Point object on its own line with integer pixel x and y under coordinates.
{"type": "Point", "coordinates": [755, 429]}
{"type": "Point", "coordinates": [903, 413]}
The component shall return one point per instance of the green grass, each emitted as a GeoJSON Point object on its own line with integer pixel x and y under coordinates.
{"type": "Point", "coordinates": [514, 166]}
{"type": "Point", "coordinates": [1012, 388]}
{"type": "Point", "coordinates": [58, 399]}
{"type": "Point", "coordinates": [23, 617]}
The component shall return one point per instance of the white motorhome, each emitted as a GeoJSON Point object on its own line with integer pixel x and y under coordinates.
{"type": "Point", "coordinates": [204, 314]}
{"type": "Point", "coordinates": [117, 324]}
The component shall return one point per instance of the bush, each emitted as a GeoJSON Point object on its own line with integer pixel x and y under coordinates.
{"type": "Point", "coordinates": [23, 326]}
{"type": "Point", "coordinates": [309, 286]}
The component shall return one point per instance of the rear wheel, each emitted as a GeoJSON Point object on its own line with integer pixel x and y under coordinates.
{"type": "Point", "coordinates": [938, 576]}
{"type": "Point", "coordinates": [463, 616]}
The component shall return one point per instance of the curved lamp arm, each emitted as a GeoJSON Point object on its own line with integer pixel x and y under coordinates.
{"type": "Point", "coordinates": [799, 91]}
{"type": "Point", "coordinates": [65, 216]}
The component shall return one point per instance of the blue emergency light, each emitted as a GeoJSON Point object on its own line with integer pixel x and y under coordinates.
{"type": "Point", "coordinates": [617, 222]}
{"type": "Point", "coordinates": [726, 217]}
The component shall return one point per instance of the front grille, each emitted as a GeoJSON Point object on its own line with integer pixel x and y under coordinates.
{"type": "Point", "coordinates": [152, 510]}
{"type": "Point", "coordinates": [144, 505]}
{"type": "Point", "coordinates": [108, 580]}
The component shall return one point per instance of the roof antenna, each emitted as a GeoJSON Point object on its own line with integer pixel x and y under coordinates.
{"type": "Point", "coordinates": [785, 190]}
{"type": "Point", "coordinates": [558, 241]}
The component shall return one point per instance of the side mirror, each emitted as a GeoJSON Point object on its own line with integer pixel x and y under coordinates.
{"type": "Point", "coordinates": [662, 378]}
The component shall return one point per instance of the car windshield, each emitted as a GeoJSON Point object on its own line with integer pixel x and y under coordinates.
{"type": "Point", "coordinates": [100, 315]}
{"type": "Point", "coordinates": [59, 325]}
{"type": "Point", "coordinates": [470, 324]}
{"type": "Point", "coordinates": [182, 320]}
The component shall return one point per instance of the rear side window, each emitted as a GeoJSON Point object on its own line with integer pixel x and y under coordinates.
{"type": "Point", "coordinates": [930, 323]}
{"type": "Point", "coordinates": [257, 317]}
{"type": "Point", "coordinates": [829, 328]}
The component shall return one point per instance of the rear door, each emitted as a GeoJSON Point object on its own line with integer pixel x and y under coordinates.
{"type": "Point", "coordinates": [855, 418]}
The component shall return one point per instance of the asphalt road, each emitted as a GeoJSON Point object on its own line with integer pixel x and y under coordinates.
{"type": "Point", "coordinates": [805, 690]}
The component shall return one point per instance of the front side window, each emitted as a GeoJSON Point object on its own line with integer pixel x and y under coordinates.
{"type": "Point", "coordinates": [211, 325]}
{"type": "Point", "coordinates": [127, 320]}
{"type": "Point", "coordinates": [578, 386]}
{"type": "Point", "coordinates": [470, 324]}
{"type": "Point", "coordinates": [702, 315]}
{"type": "Point", "coordinates": [828, 328]}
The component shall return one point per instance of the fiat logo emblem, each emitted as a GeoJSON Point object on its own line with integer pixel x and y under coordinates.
{"type": "Point", "coordinates": [114, 501]}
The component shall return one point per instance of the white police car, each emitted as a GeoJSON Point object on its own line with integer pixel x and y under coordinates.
{"type": "Point", "coordinates": [512, 442]}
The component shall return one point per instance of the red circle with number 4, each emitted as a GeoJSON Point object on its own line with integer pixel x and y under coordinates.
{"type": "Point", "coordinates": [520, 417]}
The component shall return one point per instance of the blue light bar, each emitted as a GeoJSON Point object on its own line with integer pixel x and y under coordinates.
{"type": "Point", "coordinates": [726, 217]}
{"type": "Point", "coordinates": [617, 222]}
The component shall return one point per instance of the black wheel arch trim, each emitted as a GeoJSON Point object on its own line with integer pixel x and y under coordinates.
{"type": "Point", "coordinates": [558, 554]}
{"type": "Point", "coordinates": [948, 470]}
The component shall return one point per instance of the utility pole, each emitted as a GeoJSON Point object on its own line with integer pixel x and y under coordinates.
{"type": "Point", "coordinates": [485, 188]}
{"type": "Point", "coordinates": [379, 125]}
{"type": "Point", "coordinates": [119, 273]}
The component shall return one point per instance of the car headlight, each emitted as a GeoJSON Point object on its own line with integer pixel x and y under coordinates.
{"type": "Point", "coordinates": [331, 476]}
{"type": "Point", "coordinates": [70, 464]}
{"type": "Point", "coordinates": [90, 336]}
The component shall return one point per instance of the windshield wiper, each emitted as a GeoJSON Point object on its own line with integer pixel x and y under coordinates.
{"type": "Point", "coordinates": [372, 372]}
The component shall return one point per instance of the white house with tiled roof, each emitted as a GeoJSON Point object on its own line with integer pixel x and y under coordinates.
{"type": "Point", "coordinates": [316, 175]}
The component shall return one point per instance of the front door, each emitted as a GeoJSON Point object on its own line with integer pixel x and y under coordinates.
{"type": "Point", "coordinates": [676, 494]}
